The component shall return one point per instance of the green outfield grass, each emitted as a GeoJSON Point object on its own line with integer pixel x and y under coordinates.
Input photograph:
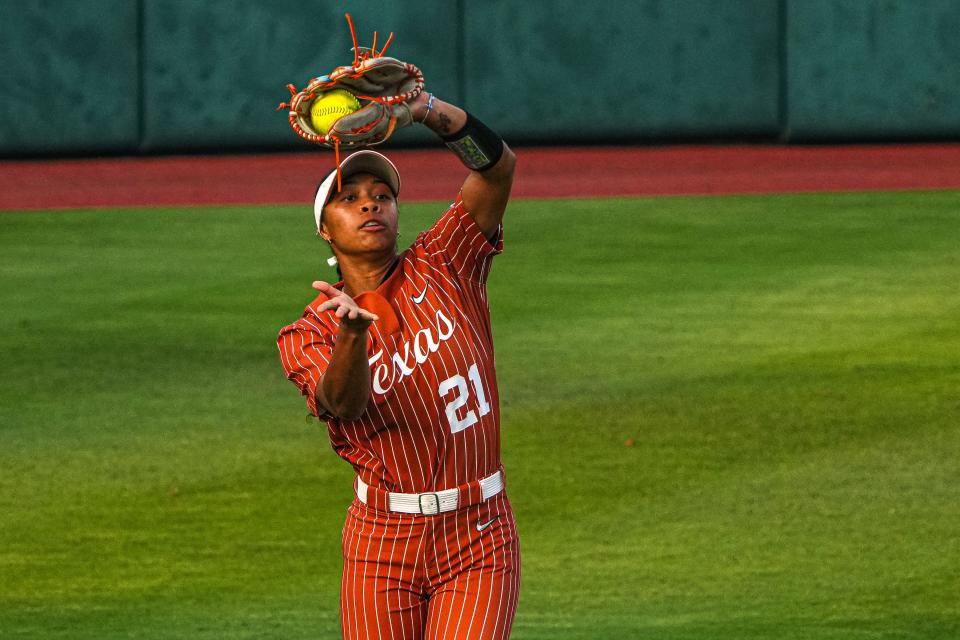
{"type": "Point", "coordinates": [787, 367]}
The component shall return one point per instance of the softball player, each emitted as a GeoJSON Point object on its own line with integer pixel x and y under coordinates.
{"type": "Point", "coordinates": [398, 359]}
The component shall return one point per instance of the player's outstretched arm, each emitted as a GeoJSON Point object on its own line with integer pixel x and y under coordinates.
{"type": "Point", "coordinates": [344, 388]}
{"type": "Point", "coordinates": [491, 162]}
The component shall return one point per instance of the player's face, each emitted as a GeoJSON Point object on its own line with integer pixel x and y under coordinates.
{"type": "Point", "coordinates": [362, 216]}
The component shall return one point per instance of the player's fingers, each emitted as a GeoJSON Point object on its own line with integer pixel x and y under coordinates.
{"type": "Point", "coordinates": [329, 304]}
{"type": "Point", "coordinates": [342, 311]}
{"type": "Point", "coordinates": [329, 289]}
{"type": "Point", "coordinates": [353, 314]}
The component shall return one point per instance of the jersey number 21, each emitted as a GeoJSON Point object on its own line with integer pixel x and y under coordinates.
{"type": "Point", "coordinates": [462, 393]}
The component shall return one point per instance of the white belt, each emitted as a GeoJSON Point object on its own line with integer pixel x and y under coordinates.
{"type": "Point", "coordinates": [429, 504]}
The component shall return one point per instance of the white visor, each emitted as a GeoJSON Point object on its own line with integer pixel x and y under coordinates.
{"type": "Point", "coordinates": [365, 161]}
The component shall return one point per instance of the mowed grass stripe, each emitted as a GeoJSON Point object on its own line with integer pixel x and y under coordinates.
{"type": "Point", "coordinates": [786, 368]}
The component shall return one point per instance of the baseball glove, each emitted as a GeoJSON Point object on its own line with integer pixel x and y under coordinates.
{"type": "Point", "coordinates": [382, 85]}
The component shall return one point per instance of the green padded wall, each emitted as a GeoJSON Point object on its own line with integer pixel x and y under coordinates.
{"type": "Point", "coordinates": [68, 76]}
{"type": "Point", "coordinates": [93, 76]}
{"type": "Point", "coordinates": [573, 70]}
{"type": "Point", "coordinates": [873, 68]}
{"type": "Point", "coordinates": [216, 70]}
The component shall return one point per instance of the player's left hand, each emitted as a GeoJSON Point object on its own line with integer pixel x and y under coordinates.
{"type": "Point", "coordinates": [345, 307]}
{"type": "Point", "coordinates": [384, 85]}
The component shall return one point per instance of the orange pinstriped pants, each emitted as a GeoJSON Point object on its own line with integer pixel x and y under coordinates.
{"type": "Point", "coordinates": [453, 575]}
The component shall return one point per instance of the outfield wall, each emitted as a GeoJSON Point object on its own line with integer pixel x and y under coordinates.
{"type": "Point", "coordinates": [152, 76]}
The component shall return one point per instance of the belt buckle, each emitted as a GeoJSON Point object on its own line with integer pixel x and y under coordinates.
{"type": "Point", "coordinates": [432, 506]}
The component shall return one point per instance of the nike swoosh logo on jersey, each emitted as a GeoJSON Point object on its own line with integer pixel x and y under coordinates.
{"type": "Point", "coordinates": [419, 298]}
{"type": "Point", "coordinates": [484, 525]}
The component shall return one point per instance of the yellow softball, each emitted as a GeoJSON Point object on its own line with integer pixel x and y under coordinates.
{"type": "Point", "coordinates": [330, 107]}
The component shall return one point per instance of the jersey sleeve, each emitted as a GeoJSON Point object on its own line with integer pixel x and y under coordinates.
{"type": "Point", "coordinates": [305, 352]}
{"type": "Point", "coordinates": [457, 240]}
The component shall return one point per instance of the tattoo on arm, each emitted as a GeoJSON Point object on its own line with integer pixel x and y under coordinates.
{"type": "Point", "coordinates": [444, 124]}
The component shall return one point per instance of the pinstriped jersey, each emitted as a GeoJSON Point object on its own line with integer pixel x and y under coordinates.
{"type": "Point", "coordinates": [433, 418]}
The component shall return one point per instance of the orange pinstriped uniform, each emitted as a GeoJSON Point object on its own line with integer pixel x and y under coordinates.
{"type": "Point", "coordinates": [432, 424]}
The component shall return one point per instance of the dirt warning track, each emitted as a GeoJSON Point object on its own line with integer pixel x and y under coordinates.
{"type": "Point", "coordinates": [436, 174]}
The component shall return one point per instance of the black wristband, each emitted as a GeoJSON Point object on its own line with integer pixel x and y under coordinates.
{"type": "Point", "coordinates": [475, 144]}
